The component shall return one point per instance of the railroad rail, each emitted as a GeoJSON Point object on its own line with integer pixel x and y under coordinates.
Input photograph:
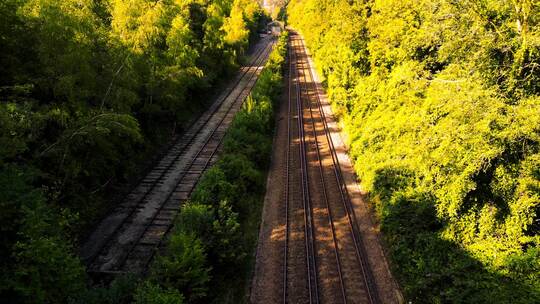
{"type": "Point", "coordinates": [323, 189]}
{"type": "Point", "coordinates": [287, 186]}
{"type": "Point", "coordinates": [303, 194]}
{"type": "Point", "coordinates": [325, 197]}
{"type": "Point", "coordinates": [306, 195]}
{"type": "Point", "coordinates": [128, 238]}
{"type": "Point", "coordinates": [360, 252]}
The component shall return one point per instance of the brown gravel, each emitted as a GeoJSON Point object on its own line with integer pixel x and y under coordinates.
{"type": "Point", "coordinates": [267, 280]}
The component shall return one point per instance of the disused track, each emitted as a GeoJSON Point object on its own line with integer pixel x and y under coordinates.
{"type": "Point", "coordinates": [128, 238]}
{"type": "Point", "coordinates": [335, 269]}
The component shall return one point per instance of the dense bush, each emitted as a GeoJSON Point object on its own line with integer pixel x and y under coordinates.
{"type": "Point", "coordinates": [35, 256]}
{"type": "Point", "coordinates": [88, 90]}
{"type": "Point", "coordinates": [223, 215]}
{"type": "Point", "coordinates": [119, 291]}
{"type": "Point", "coordinates": [154, 294]}
{"type": "Point", "coordinates": [441, 104]}
{"type": "Point", "coordinates": [183, 268]}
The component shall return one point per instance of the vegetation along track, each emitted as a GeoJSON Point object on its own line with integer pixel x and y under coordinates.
{"type": "Point", "coordinates": [335, 268]}
{"type": "Point", "coordinates": [127, 239]}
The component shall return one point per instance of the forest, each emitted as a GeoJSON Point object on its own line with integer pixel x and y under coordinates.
{"type": "Point", "coordinates": [89, 91]}
{"type": "Point", "coordinates": [440, 102]}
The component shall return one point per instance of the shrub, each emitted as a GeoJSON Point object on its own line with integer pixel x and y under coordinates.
{"type": "Point", "coordinates": [183, 267]}
{"type": "Point", "coordinates": [38, 253]}
{"type": "Point", "coordinates": [213, 187]}
{"type": "Point", "coordinates": [149, 293]}
{"type": "Point", "coordinates": [119, 291]}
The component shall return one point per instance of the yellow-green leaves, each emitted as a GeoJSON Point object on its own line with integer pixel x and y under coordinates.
{"type": "Point", "coordinates": [235, 27]}
{"type": "Point", "coordinates": [140, 24]}
{"type": "Point", "coordinates": [440, 100]}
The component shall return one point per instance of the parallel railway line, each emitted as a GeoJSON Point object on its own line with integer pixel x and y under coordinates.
{"type": "Point", "coordinates": [311, 261]}
{"type": "Point", "coordinates": [297, 274]}
{"type": "Point", "coordinates": [324, 259]}
{"type": "Point", "coordinates": [335, 266]}
{"type": "Point", "coordinates": [127, 240]}
{"type": "Point", "coordinates": [345, 199]}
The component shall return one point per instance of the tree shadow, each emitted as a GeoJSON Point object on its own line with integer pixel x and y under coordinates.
{"type": "Point", "coordinates": [431, 269]}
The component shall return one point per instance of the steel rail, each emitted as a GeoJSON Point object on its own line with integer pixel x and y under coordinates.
{"type": "Point", "coordinates": [308, 215]}
{"type": "Point", "coordinates": [286, 194]}
{"type": "Point", "coordinates": [345, 198]}
{"type": "Point", "coordinates": [196, 157]}
{"type": "Point", "coordinates": [183, 146]}
{"type": "Point", "coordinates": [323, 187]}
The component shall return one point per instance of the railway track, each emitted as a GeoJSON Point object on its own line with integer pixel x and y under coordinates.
{"type": "Point", "coordinates": [335, 268]}
{"type": "Point", "coordinates": [128, 238]}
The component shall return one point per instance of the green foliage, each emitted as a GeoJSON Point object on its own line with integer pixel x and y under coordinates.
{"type": "Point", "coordinates": [15, 193]}
{"type": "Point", "coordinates": [119, 291]}
{"type": "Point", "coordinates": [36, 253]}
{"type": "Point", "coordinates": [89, 91]}
{"type": "Point", "coordinates": [42, 264]}
{"type": "Point", "coordinates": [150, 293]}
{"type": "Point", "coordinates": [183, 267]}
{"type": "Point", "coordinates": [218, 229]}
{"type": "Point", "coordinates": [213, 187]}
{"type": "Point", "coordinates": [195, 219]}
{"type": "Point", "coordinates": [440, 102]}
{"type": "Point", "coordinates": [220, 223]}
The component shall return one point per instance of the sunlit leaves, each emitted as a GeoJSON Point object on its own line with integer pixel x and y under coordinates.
{"type": "Point", "coordinates": [440, 102]}
{"type": "Point", "coordinates": [235, 28]}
